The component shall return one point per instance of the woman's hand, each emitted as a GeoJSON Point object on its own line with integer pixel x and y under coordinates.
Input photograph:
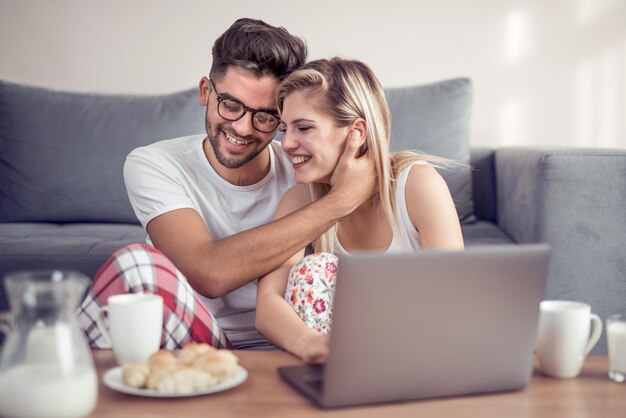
{"type": "Point", "coordinates": [354, 179]}
{"type": "Point", "coordinates": [313, 347]}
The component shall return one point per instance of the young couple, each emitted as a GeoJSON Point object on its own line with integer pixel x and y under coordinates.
{"type": "Point", "coordinates": [221, 210]}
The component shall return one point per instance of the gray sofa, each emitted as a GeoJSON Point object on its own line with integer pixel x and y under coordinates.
{"type": "Point", "coordinates": [63, 202]}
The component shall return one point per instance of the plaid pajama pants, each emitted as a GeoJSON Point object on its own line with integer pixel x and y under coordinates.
{"type": "Point", "coordinates": [139, 268]}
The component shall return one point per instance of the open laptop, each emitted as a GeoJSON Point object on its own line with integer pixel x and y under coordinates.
{"type": "Point", "coordinates": [429, 324]}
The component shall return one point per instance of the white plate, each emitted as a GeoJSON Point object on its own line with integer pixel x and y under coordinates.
{"type": "Point", "coordinates": [113, 379]}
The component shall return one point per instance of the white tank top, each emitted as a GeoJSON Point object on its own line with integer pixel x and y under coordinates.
{"type": "Point", "coordinates": [408, 239]}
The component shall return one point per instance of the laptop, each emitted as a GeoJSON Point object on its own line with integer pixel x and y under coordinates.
{"type": "Point", "coordinates": [429, 324]}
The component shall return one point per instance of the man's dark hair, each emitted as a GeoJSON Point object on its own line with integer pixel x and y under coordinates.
{"type": "Point", "coordinates": [255, 46]}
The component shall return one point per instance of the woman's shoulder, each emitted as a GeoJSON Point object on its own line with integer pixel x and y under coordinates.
{"type": "Point", "coordinates": [426, 192]}
{"type": "Point", "coordinates": [422, 176]}
{"type": "Point", "coordinates": [294, 199]}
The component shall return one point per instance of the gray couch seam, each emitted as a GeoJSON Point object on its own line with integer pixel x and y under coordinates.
{"type": "Point", "coordinates": [582, 153]}
{"type": "Point", "coordinates": [540, 200]}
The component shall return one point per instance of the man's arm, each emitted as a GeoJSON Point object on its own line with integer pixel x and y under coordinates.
{"type": "Point", "coordinates": [274, 316]}
{"type": "Point", "coordinates": [216, 267]}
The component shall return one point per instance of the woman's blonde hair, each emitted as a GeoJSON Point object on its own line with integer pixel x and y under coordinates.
{"type": "Point", "coordinates": [347, 90]}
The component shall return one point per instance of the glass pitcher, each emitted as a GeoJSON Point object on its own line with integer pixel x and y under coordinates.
{"type": "Point", "coordinates": [46, 368]}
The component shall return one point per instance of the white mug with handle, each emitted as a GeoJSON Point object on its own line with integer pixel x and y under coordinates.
{"type": "Point", "coordinates": [135, 325]}
{"type": "Point", "coordinates": [563, 339]}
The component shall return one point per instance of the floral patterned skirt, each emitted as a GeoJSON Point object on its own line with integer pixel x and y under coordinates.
{"type": "Point", "coordinates": [311, 288]}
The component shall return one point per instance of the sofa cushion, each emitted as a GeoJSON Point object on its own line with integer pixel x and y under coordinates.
{"type": "Point", "coordinates": [61, 154]}
{"type": "Point", "coordinates": [435, 119]}
{"type": "Point", "coordinates": [481, 233]}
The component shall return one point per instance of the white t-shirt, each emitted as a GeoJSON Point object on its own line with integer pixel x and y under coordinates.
{"type": "Point", "coordinates": [175, 174]}
{"type": "Point", "coordinates": [408, 240]}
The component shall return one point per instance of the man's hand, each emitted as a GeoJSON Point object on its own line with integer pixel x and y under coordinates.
{"type": "Point", "coordinates": [354, 180]}
{"type": "Point", "coordinates": [313, 347]}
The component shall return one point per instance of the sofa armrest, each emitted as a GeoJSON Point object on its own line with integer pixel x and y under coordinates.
{"type": "Point", "coordinates": [542, 192]}
{"type": "Point", "coordinates": [482, 161]}
{"type": "Point", "coordinates": [574, 199]}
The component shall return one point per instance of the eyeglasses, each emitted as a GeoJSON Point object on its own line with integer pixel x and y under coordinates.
{"type": "Point", "coordinates": [232, 110]}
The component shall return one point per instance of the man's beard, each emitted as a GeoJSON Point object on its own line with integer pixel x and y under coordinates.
{"type": "Point", "coordinates": [230, 162]}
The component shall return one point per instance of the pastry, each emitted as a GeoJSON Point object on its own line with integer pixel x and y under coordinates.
{"type": "Point", "coordinates": [197, 366]}
{"type": "Point", "coordinates": [179, 379]}
{"type": "Point", "coordinates": [135, 375]}
{"type": "Point", "coordinates": [161, 358]}
{"type": "Point", "coordinates": [221, 364]}
{"type": "Point", "coordinates": [190, 352]}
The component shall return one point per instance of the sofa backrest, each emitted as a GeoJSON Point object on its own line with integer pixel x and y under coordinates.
{"type": "Point", "coordinates": [435, 119]}
{"type": "Point", "coordinates": [61, 154]}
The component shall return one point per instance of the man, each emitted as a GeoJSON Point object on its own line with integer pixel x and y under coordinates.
{"type": "Point", "coordinates": [206, 201]}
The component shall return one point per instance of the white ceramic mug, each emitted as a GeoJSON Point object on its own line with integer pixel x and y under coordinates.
{"type": "Point", "coordinates": [563, 339]}
{"type": "Point", "coordinates": [135, 325]}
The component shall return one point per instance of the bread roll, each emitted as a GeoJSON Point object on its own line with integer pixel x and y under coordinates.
{"type": "Point", "coordinates": [135, 375]}
{"type": "Point", "coordinates": [221, 364]}
{"type": "Point", "coordinates": [198, 366]}
{"type": "Point", "coordinates": [157, 375]}
{"type": "Point", "coordinates": [179, 379]}
{"type": "Point", "coordinates": [161, 358]}
{"type": "Point", "coordinates": [190, 352]}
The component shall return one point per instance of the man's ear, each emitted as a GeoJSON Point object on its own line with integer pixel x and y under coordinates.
{"type": "Point", "coordinates": [205, 90]}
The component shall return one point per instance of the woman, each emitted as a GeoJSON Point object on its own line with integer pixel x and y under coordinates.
{"type": "Point", "coordinates": [324, 104]}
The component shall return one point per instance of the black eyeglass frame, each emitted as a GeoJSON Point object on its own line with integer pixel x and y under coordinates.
{"type": "Point", "coordinates": [253, 112]}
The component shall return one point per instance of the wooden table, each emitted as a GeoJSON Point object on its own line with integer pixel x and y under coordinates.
{"type": "Point", "coordinates": [264, 394]}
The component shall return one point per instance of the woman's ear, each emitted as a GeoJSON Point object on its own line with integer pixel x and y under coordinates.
{"type": "Point", "coordinates": [205, 90]}
{"type": "Point", "coordinates": [358, 130]}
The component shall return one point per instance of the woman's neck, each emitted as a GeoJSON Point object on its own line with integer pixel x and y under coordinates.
{"type": "Point", "coordinates": [367, 228]}
{"type": "Point", "coordinates": [367, 209]}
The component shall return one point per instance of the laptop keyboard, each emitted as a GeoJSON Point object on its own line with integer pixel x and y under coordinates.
{"type": "Point", "coordinates": [314, 378]}
{"type": "Point", "coordinates": [316, 385]}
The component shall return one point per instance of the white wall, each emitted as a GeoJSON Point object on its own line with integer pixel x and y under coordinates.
{"type": "Point", "coordinates": [545, 72]}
